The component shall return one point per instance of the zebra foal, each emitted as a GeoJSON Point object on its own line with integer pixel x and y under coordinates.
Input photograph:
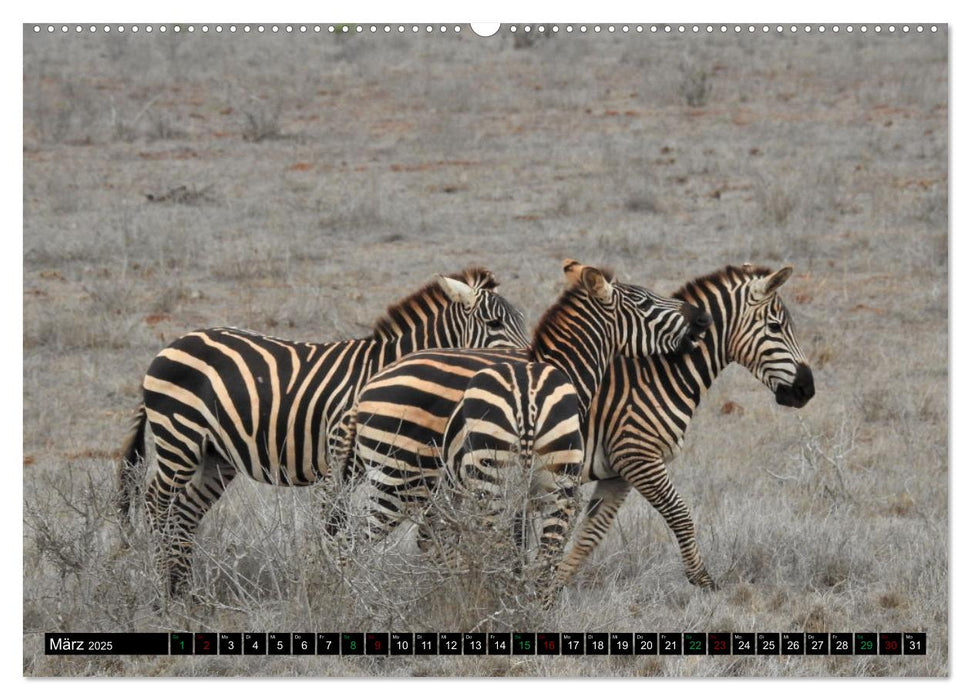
{"type": "Point", "coordinates": [222, 401]}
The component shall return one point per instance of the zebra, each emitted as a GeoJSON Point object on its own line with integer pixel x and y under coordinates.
{"type": "Point", "coordinates": [477, 411]}
{"type": "Point", "coordinates": [638, 418]}
{"type": "Point", "coordinates": [221, 401]}
{"type": "Point", "coordinates": [640, 413]}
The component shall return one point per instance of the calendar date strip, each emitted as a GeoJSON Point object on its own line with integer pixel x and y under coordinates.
{"type": "Point", "coordinates": [486, 644]}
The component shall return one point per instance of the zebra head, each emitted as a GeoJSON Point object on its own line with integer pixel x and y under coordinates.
{"type": "Point", "coordinates": [764, 341]}
{"type": "Point", "coordinates": [477, 316]}
{"type": "Point", "coordinates": [646, 323]}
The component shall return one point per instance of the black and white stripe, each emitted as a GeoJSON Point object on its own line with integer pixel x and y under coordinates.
{"type": "Point", "coordinates": [223, 401]}
{"type": "Point", "coordinates": [639, 416]}
{"type": "Point", "coordinates": [480, 413]}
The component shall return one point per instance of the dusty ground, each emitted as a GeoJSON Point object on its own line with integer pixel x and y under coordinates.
{"type": "Point", "coordinates": [298, 184]}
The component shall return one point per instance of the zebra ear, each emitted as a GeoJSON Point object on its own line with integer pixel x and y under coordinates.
{"type": "Point", "coordinates": [597, 284]}
{"type": "Point", "coordinates": [765, 286]}
{"type": "Point", "coordinates": [572, 269]}
{"type": "Point", "coordinates": [457, 291]}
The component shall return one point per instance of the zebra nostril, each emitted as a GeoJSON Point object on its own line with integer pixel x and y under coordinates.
{"type": "Point", "coordinates": [702, 320]}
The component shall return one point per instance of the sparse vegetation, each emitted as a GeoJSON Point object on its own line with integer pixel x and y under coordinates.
{"type": "Point", "coordinates": [529, 34]}
{"type": "Point", "coordinates": [695, 86]}
{"type": "Point", "coordinates": [777, 202]}
{"type": "Point", "coordinates": [183, 194]}
{"type": "Point", "coordinates": [411, 161]}
{"type": "Point", "coordinates": [262, 122]}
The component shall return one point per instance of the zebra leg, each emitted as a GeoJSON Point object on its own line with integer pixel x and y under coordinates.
{"type": "Point", "coordinates": [190, 507]}
{"type": "Point", "coordinates": [334, 496]}
{"type": "Point", "coordinates": [389, 493]}
{"type": "Point", "coordinates": [556, 514]}
{"type": "Point", "coordinates": [606, 500]}
{"type": "Point", "coordinates": [175, 471]}
{"type": "Point", "coordinates": [652, 482]}
{"type": "Point", "coordinates": [435, 536]}
{"type": "Point", "coordinates": [342, 473]}
{"type": "Point", "coordinates": [175, 503]}
{"type": "Point", "coordinates": [385, 508]}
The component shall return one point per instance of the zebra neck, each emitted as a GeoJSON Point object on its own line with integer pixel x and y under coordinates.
{"type": "Point", "coordinates": [409, 340]}
{"type": "Point", "coordinates": [694, 373]}
{"type": "Point", "coordinates": [583, 360]}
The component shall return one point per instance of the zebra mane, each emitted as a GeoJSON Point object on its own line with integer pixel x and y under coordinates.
{"type": "Point", "coordinates": [397, 315]}
{"type": "Point", "coordinates": [729, 273]}
{"type": "Point", "coordinates": [478, 277]}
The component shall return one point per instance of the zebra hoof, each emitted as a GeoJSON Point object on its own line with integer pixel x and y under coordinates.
{"type": "Point", "coordinates": [703, 581]}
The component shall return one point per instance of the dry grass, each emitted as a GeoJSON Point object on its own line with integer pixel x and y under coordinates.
{"type": "Point", "coordinates": [332, 175]}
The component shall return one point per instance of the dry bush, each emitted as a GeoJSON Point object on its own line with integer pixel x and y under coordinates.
{"type": "Point", "coordinates": [124, 124]}
{"type": "Point", "coordinates": [261, 121]}
{"type": "Point", "coordinates": [695, 86]}
{"type": "Point", "coordinates": [65, 114]}
{"type": "Point", "coordinates": [777, 202]}
{"type": "Point", "coordinates": [645, 201]}
{"type": "Point", "coordinates": [184, 194]}
{"type": "Point", "coordinates": [74, 554]}
{"type": "Point", "coordinates": [262, 544]}
{"type": "Point", "coordinates": [81, 325]}
{"type": "Point", "coordinates": [353, 204]}
{"type": "Point", "coordinates": [161, 128]}
{"type": "Point", "coordinates": [470, 574]}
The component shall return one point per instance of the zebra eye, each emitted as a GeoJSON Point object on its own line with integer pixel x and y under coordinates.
{"type": "Point", "coordinates": [645, 304]}
{"type": "Point", "coordinates": [775, 327]}
{"type": "Point", "coordinates": [494, 323]}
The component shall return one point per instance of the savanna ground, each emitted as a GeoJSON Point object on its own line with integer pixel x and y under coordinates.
{"type": "Point", "coordinates": [298, 184]}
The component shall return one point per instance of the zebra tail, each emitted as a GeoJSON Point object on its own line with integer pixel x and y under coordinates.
{"type": "Point", "coordinates": [131, 468]}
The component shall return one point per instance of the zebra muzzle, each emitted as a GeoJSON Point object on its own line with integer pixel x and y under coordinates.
{"type": "Point", "coordinates": [799, 392]}
{"type": "Point", "coordinates": [699, 321]}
